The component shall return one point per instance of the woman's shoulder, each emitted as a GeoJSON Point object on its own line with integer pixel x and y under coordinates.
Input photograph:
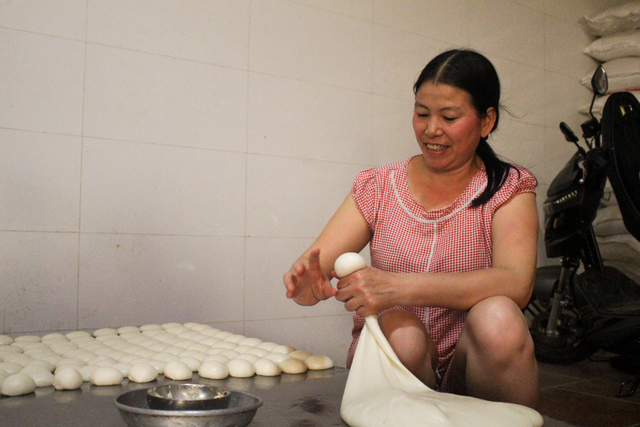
{"type": "Point", "coordinates": [383, 172]}
{"type": "Point", "coordinates": [519, 180]}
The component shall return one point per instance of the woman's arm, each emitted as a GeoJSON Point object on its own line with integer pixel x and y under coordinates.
{"type": "Point", "coordinates": [514, 233]}
{"type": "Point", "coordinates": [308, 280]}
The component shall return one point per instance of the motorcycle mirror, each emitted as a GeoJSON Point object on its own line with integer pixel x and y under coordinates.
{"type": "Point", "coordinates": [599, 81]}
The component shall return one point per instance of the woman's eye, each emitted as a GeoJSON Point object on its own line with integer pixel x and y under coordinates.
{"type": "Point", "coordinates": [449, 119]}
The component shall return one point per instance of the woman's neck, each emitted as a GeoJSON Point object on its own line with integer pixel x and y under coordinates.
{"type": "Point", "coordinates": [434, 189]}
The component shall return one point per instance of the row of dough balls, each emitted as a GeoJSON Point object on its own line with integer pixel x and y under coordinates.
{"type": "Point", "coordinates": [174, 350]}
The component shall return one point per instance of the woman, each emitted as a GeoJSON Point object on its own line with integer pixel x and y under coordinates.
{"type": "Point", "coordinates": [453, 235]}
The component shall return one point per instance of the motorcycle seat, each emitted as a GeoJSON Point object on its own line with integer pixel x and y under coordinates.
{"type": "Point", "coordinates": [621, 144]}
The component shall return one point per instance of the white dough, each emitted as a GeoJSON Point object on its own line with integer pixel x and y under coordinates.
{"type": "Point", "coordinates": [86, 372]}
{"type": "Point", "coordinates": [105, 375]}
{"type": "Point", "coordinates": [293, 366]}
{"type": "Point", "coordinates": [128, 330]}
{"type": "Point", "coordinates": [77, 334]}
{"type": "Point", "coordinates": [27, 338]}
{"type": "Point", "coordinates": [5, 340]}
{"type": "Point", "coordinates": [158, 365]}
{"type": "Point", "coordinates": [240, 368]}
{"type": "Point", "coordinates": [67, 378]}
{"type": "Point", "coordinates": [277, 357]}
{"type": "Point", "coordinates": [177, 370]}
{"type": "Point", "coordinates": [105, 332]}
{"type": "Point", "coordinates": [318, 362]}
{"type": "Point", "coordinates": [300, 354]}
{"type": "Point", "coordinates": [123, 368]}
{"type": "Point", "coordinates": [4, 350]}
{"type": "Point", "coordinates": [249, 357]}
{"type": "Point", "coordinates": [214, 370]}
{"type": "Point", "coordinates": [17, 385]}
{"type": "Point", "coordinates": [143, 373]}
{"type": "Point", "coordinates": [251, 342]}
{"type": "Point", "coordinates": [267, 368]}
{"type": "Point", "coordinates": [10, 367]}
{"type": "Point", "coordinates": [380, 391]}
{"type": "Point", "coordinates": [348, 263]}
{"type": "Point", "coordinates": [42, 378]}
{"type": "Point", "coordinates": [193, 363]}
{"type": "Point", "coordinates": [283, 349]}
{"type": "Point", "coordinates": [218, 358]}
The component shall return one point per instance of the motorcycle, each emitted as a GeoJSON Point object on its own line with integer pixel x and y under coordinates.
{"type": "Point", "coordinates": [581, 305]}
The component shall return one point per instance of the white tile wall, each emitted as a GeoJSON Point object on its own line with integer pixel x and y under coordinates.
{"type": "Point", "coordinates": [168, 160]}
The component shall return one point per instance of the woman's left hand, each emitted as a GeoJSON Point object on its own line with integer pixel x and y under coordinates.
{"type": "Point", "coordinates": [367, 291]}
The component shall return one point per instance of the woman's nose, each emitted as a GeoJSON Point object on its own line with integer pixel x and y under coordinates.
{"type": "Point", "coordinates": [433, 128]}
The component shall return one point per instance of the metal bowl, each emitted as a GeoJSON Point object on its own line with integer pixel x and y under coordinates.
{"type": "Point", "coordinates": [134, 409]}
{"type": "Point", "coordinates": [187, 397]}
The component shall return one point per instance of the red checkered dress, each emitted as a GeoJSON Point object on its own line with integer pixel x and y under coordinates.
{"type": "Point", "coordinates": [408, 239]}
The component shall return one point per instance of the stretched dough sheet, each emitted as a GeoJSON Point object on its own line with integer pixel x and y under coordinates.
{"type": "Point", "coordinates": [380, 391]}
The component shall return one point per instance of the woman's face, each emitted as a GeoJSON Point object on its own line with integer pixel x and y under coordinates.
{"type": "Point", "coordinates": [448, 127]}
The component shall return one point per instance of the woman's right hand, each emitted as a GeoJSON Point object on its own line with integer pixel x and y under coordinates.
{"type": "Point", "coordinates": [305, 281]}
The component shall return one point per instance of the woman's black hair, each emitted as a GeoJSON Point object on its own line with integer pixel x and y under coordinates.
{"type": "Point", "coordinates": [472, 72]}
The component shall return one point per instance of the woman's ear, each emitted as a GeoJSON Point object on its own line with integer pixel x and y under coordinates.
{"type": "Point", "coordinates": [488, 122]}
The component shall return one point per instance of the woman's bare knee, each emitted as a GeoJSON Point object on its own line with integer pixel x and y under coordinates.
{"type": "Point", "coordinates": [411, 342]}
{"type": "Point", "coordinates": [495, 353]}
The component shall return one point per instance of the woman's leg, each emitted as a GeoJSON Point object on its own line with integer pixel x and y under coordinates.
{"type": "Point", "coordinates": [495, 356]}
{"type": "Point", "coordinates": [412, 343]}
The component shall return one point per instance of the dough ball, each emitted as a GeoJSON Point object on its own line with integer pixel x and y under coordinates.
{"type": "Point", "coordinates": [261, 353]}
{"type": "Point", "coordinates": [242, 348]}
{"type": "Point", "coordinates": [105, 332]}
{"type": "Point", "coordinates": [17, 385]}
{"type": "Point", "coordinates": [10, 367]}
{"type": "Point", "coordinates": [193, 363]}
{"type": "Point", "coordinates": [300, 354]}
{"type": "Point", "coordinates": [234, 338]}
{"type": "Point", "coordinates": [267, 368]}
{"type": "Point", "coordinates": [5, 340]}
{"type": "Point", "coordinates": [151, 327]}
{"type": "Point", "coordinates": [42, 378]}
{"type": "Point", "coordinates": [283, 349]}
{"type": "Point", "coordinates": [67, 378]}
{"type": "Point", "coordinates": [19, 358]}
{"type": "Point", "coordinates": [123, 368]}
{"type": "Point", "coordinates": [104, 376]}
{"type": "Point", "coordinates": [230, 354]}
{"type": "Point", "coordinates": [218, 358]}
{"type": "Point", "coordinates": [318, 362]}
{"type": "Point", "coordinates": [224, 344]}
{"type": "Point", "coordinates": [44, 364]}
{"type": "Point", "coordinates": [158, 365]}
{"type": "Point", "coordinates": [27, 338]}
{"type": "Point", "coordinates": [71, 362]}
{"type": "Point", "coordinates": [277, 357]}
{"type": "Point", "coordinates": [33, 368]}
{"type": "Point", "coordinates": [86, 372]}
{"type": "Point", "coordinates": [250, 357]}
{"type": "Point", "coordinates": [208, 341]}
{"type": "Point", "coordinates": [267, 345]}
{"type": "Point", "coordinates": [293, 366]}
{"type": "Point", "coordinates": [128, 330]}
{"type": "Point", "coordinates": [77, 334]}
{"type": "Point", "coordinates": [9, 349]}
{"type": "Point", "coordinates": [348, 263]}
{"type": "Point", "coordinates": [251, 342]}
{"type": "Point", "coordinates": [214, 370]}
{"type": "Point", "coordinates": [143, 373]}
{"type": "Point", "coordinates": [240, 368]}
{"type": "Point", "coordinates": [177, 370]}
{"type": "Point", "coordinates": [53, 337]}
